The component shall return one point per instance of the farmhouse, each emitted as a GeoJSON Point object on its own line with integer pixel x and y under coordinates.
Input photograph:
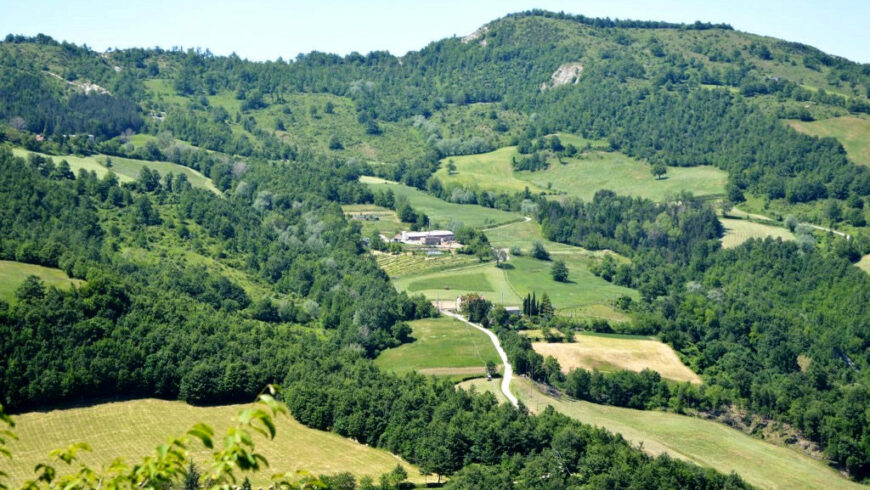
{"type": "Point", "coordinates": [435, 237]}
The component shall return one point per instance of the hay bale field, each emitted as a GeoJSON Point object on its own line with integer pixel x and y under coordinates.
{"type": "Point", "coordinates": [132, 429]}
{"type": "Point", "coordinates": [618, 352]}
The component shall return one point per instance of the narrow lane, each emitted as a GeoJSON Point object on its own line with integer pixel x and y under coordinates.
{"type": "Point", "coordinates": [508, 370]}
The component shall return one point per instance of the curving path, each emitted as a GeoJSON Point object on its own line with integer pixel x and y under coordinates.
{"type": "Point", "coordinates": [508, 370]}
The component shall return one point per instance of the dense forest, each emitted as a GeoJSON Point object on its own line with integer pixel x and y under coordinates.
{"type": "Point", "coordinates": [208, 296]}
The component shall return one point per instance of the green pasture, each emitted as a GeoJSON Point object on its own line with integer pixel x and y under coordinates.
{"type": "Point", "coordinates": [12, 274]}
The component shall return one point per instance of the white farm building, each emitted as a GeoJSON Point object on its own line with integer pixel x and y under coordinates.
{"type": "Point", "coordinates": [434, 237]}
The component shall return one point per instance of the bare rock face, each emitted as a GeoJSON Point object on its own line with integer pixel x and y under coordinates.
{"type": "Point", "coordinates": [565, 74]}
{"type": "Point", "coordinates": [476, 35]}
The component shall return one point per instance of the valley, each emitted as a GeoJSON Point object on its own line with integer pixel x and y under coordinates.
{"type": "Point", "coordinates": [562, 252]}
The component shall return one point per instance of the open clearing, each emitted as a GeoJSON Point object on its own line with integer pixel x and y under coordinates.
{"type": "Point", "coordinates": [703, 442]}
{"type": "Point", "coordinates": [126, 169]}
{"type": "Point", "coordinates": [618, 352]}
{"type": "Point", "coordinates": [853, 133]}
{"type": "Point", "coordinates": [442, 213]}
{"type": "Point", "coordinates": [483, 385]}
{"type": "Point", "coordinates": [738, 231]}
{"type": "Point", "coordinates": [12, 274]}
{"type": "Point", "coordinates": [374, 218]}
{"type": "Point", "coordinates": [864, 264]}
{"type": "Point", "coordinates": [484, 278]}
{"type": "Point", "coordinates": [582, 176]}
{"type": "Point", "coordinates": [444, 347]}
{"type": "Point", "coordinates": [132, 429]}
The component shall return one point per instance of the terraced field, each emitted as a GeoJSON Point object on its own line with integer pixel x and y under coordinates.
{"type": "Point", "coordinates": [132, 429]}
{"type": "Point", "coordinates": [126, 169]}
{"type": "Point", "coordinates": [409, 264]}
{"type": "Point", "coordinates": [12, 274]}
{"type": "Point", "coordinates": [618, 352]}
{"type": "Point", "coordinates": [442, 347]}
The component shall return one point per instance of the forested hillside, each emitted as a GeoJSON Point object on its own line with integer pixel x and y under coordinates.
{"type": "Point", "coordinates": [209, 296]}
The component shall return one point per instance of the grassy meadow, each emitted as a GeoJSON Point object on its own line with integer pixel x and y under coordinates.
{"type": "Point", "coordinates": [616, 353]}
{"type": "Point", "coordinates": [853, 132]}
{"type": "Point", "coordinates": [444, 347]}
{"type": "Point", "coordinates": [864, 264]}
{"type": "Point", "coordinates": [374, 218]}
{"type": "Point", "coordinates": [738, 231]}
{"type": "Point", "coordinates": [582, 176]}
{"type": "Point", "coordinates": [703, 442]}
{"type": "Point", "coordinates": [442, 213]}
{"type": "Point", "coordinates": [127, 169]}
{"type": "Point", "coordinates": [132, 429]}
{"type": "Point", "coordinates": [12, 274]}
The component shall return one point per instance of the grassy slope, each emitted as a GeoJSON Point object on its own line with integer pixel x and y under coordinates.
{"type": "Point", "coordinates": [374, 218]}
{"type": "Point", "coordinates": [864, 264]}
{"type": "Point", "coordinates": [738, 231]}
{"type": "Point", "coordinates": [611, 353]}
{"type": "Point", "coordinates": [700, 441]}
{"type": "Point", "coordinates": [442, 346]}
{"type": "Point", "coordinates": [441, 213]}
{"type": "Point", "coordinates": [485, 278]}
{"type": "Point", "coordinates": [482, 385]}
{"type": "Point", "coordinates": [132, 429]}
{"type": "Point", "coordinates": [126, 169]}
{"type": "Point", "coordinates": [12, 274]}
{"type": "Point", "coordinates": [853, 132]}
{"type": "Point", "coordinates": [581, 177]}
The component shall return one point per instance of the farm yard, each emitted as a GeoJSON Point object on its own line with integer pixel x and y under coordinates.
{"type": "Point", "coordinates": [128, 429]}
{"type": "Point", "coordinates": [442, 347]}
{"type": "Point", "coordinates": [12, 274]}
{"type": "Point", "coordinates": [618, 352]}
{"type": "Point", "coordinates": [127, 169]}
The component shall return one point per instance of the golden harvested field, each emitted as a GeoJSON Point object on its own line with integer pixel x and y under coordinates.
{"type": "Point", "coordinates": [738, 231]}
{"type": "Point", "coordinates": [611, 353]}
{"type": "Point", "coordinates": [132, 429]}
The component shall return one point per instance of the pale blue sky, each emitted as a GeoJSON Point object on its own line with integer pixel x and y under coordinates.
{"type": "Point", "coordinates": [267, 29]}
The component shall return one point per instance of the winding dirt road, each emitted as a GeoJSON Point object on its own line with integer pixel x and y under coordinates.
{"type": "Point", "coordinates": [508, 370]}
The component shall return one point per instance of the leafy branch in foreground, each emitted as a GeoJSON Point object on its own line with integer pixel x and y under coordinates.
{"type": "Point", "coordinates": [170, 463]}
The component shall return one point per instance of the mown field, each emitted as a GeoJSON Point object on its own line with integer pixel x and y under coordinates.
{"type": "Point", "coordinates": [582, 176]}
{"type": "Point", "coordinates": [738, 231]}
{"type": "Point", "coordinates": [132, 429]}
{"type": "Point", "coordinates": [443, 347]}
{"type": "Point", "coordinates": [618, 352]}
{"type": "Point", "coordinates": [703, 442]}
{"type": "Point", "coordinates": [374, 219]}
{"type": "Point", "coordinates": [853, 132]}
{"type": "Point", "coordinates": [443, 214]}
{"type": "Point", "coordinates": [126, 169]}
{"type": "Point", "coordinates": [12, 274]}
